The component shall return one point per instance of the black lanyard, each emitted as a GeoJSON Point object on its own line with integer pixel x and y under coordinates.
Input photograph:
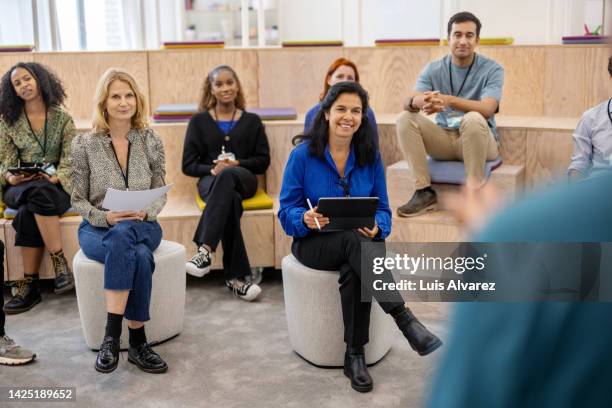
{"type": "Point", "coordinates": [43, 145]}
{"type": "Point", "coordinates": [345, 184]}
{"type": "Point", "coordinates": [125, 175]}
{"type": "Point", "coordinates": [610, 113]}
{"type": "Point", "coordinates": [450, 75]}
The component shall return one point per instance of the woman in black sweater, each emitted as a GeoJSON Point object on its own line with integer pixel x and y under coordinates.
{"type": "Point", "coordinates": [225, 147]}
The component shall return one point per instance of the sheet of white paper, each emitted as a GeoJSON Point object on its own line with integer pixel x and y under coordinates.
{"type": "Point", "coordinates": [120, 200]}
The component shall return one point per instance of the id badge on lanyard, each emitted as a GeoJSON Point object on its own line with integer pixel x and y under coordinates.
{"type": "Point", "coordinates": [453, 119]}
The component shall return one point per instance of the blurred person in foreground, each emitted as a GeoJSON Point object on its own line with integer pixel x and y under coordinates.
{"type": "Point", "coordinates": [546, 354]}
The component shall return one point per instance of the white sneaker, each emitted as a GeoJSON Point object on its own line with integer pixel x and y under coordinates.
{"type": "Point", "coordinates": [244, 290]}
{"type": "Point", "coordinates": [199, 264]}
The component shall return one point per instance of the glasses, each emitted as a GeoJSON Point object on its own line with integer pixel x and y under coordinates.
{"type": "Point", "coordinates": [345, 185]}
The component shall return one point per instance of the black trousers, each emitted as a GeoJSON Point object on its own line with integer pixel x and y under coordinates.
{"type": "Point", "coordinates": [34, 197]}
{"type": "Point", "coordinates": [342, 251]}
{"type": "Point", "coordinates": [2, 317]}
{"type": "Point", "coordinates": [220, 220]}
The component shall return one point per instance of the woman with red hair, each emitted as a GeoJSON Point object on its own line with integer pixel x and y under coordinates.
{"type": "Point", "coordinates": [341, 70]}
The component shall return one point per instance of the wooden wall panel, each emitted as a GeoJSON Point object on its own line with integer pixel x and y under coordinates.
{"type": "Point", "coordinates": [513, 145]}
{"type": "Point", "coordinates": [576, 79]}
{"type": "Point", "coordinates": [390, 150]}
{"type": "Point", "coordinates": [524, 78]}
{"type": "Point", "coordinates": [7, 60]}
{"type": "Point", "coordinates": [173, 137]}
{"type": "Point", "coordinates": [388, 74]}
{"type": "Point", "coordinates": [294, 77]}
{"type": "Point", "coordinates": [547, 156]}
{"type": "Point", "coordinates": [279, 137]}
{"type": "Point", "coordinates": [177, 76]}
{"type": "Point", "coordinates": [80, 72]}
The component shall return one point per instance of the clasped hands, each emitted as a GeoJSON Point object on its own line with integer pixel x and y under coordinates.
{"type": "Point", "coordinates": [311, 215]}
{"type": "Point", "coordinates": [435, 102]}
{"type": "Point", "coordinates": [220, 165]}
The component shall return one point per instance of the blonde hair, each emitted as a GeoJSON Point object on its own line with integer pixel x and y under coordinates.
{"type": "Point", "coordinates": [100, 118]}
{"type": "Point", "coordinates": [207, 99]}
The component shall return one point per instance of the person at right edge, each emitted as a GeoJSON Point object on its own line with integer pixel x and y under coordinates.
{"type": "Point", "coordinates": [464, 89]}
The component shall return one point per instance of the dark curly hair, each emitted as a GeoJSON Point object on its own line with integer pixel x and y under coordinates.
{"type": "Point", "coordinates": [49, 86]}
{"type": "Point", "coordinates": [318, 135]}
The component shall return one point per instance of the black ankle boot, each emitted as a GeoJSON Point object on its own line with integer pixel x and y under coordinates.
{"type": "Point", "coordinates": [27, 296]}
{"type": "Point", "coordinates": [64, 279]}
{"type": "Point", "coordinates": [421, 340]}
{"type": "Point", "coordinates": [356, 369]}
{"type": "Point", "coordinates": [108, 356]}
{"type": "Point", "coordinates": [146, 359]}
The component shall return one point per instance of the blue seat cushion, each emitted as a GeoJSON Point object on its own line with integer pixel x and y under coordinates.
{"type": "Point", "coordinates": [453, 172]}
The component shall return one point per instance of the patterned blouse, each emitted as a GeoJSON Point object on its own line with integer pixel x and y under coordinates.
{"type": "Point", "coordinates": [95, 168]}
{"type": "Point", "coordinates": [17, 143]}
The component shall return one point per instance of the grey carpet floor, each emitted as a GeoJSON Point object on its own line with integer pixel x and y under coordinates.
{"type": "Point", "coordinates": [230, 354]}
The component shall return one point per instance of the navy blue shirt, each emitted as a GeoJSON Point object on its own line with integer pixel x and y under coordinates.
{"type": "Point", "coordinates": [308, 176]}
{"type": "Point", "coordinates": [310, 115]}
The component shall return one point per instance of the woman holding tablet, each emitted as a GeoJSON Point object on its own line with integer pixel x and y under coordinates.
{"type": "Point", "coordinates": [35, 132]}
{"type": "Point", "coordinates": [121, 152]}
{"type": "Point", "coordinates": [337, 158]}
{"type": "Point", "coordinates": [341, 70]}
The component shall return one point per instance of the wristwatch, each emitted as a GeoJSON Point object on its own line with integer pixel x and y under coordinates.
{"type": "Point", "coordinates": [412, 108]}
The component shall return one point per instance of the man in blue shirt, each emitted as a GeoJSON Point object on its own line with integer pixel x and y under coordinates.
{"type": "Point", "coordinates": [593, 140]}
{"type": "Point", "coordinates": [464, 90]}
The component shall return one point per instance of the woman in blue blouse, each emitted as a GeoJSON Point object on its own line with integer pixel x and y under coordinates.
{"type": "Point", "coordinates": [340, 70]}
{"type": "Point", "coordinates": [338, 158]}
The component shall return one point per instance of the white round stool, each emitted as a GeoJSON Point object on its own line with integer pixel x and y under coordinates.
{"type": "Point", "coordinates": [314, 317]}
{"type": "Point", "coordinates": [167, 298]}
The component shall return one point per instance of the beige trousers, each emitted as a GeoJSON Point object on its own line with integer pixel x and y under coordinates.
{"type": "Point", "coordinates": [473, 144]}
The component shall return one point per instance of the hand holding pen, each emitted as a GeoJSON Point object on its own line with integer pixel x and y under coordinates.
{"type": "Point", "coordinates": [313, 219]}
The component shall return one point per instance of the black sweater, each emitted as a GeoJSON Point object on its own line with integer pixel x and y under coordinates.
{"type": "Point", "coordinates": [204, 139]}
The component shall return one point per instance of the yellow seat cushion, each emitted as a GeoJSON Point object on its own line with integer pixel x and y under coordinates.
{"type": "Point", "coordinates": [260, 201]}
{"type": "Point", "coordinates": [10, 213]}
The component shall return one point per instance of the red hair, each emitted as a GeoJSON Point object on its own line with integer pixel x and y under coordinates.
{"type": "Point", "coordinates": [332, 68]}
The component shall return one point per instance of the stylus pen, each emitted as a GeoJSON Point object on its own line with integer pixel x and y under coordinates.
{"type": "Point", "coordinates": [312, 209]}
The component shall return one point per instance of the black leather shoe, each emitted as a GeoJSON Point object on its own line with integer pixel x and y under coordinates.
{"type": "Point", "coordinates": [108, 356]}
{"type": "Point", "coordinates": [421, 340]}
{"type": "Point", "coordinates": [27, 296]}
{"type": "Point", "coordinates": [356, 369]}
{"type": "Point", "coordinates": [64, 279]}
{"type": "Point", "coordinates": [146, 359]}
{"type": "Point", "coordinates": [422, 201]}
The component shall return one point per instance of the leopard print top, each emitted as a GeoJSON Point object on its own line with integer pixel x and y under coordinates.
{"type": "Point", "coordinates": [95, 168]}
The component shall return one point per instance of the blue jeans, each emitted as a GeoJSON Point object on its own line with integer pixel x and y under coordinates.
{"type": "Point", "coordinates": [126, 250]}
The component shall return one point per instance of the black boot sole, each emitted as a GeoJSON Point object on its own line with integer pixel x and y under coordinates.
{"type": "Point", "coordinates": [106, 371]}
{"type": "Point", "coordinates": [64, 289]}
{"type": "Point", "coordinates": [359, 388]}
{"type": "Point", "coordinates": [17, 311]}
{"type": "Point", "coordinates": [433, 347]}
{"type": "Point", "coordinates": [148, 370]}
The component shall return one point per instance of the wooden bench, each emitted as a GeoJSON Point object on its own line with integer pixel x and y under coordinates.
{"type": "Point", "coordinates": [508, 179]}
{"type": "Point", "coordinates": [542, 145]}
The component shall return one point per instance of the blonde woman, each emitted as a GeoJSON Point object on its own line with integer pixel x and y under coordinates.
{"type": "Point", "coordinates": [121, 152]}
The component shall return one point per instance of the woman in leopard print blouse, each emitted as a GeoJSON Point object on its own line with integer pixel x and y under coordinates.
{"type": "Point", "coordinates": [121, 152]}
